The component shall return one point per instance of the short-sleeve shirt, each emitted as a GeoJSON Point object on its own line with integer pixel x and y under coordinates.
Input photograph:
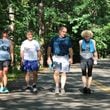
{"type": "Point", "coordinates": [5, 49]}
{"type": "Point", "coordinates": [30, 49]}
{"type": "Point", "coordinates": [60, 45]}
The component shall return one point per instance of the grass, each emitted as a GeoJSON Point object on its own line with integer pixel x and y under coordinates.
{"type": "Point", "coordinates": [14, 74]}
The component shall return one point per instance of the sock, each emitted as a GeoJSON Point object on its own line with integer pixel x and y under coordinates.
{"type": "Point", "coordinates": [62, 84]}
{"type": "Point", "coordinates": [57, 85]}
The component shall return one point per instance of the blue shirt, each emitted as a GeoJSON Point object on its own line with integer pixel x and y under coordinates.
{"type": "Point", "coordinates": [87, 49]}
{"type": "Point", "coordinates": [5, 49]}
{"type": "Point", "coordinates": [88, 46]}
{"type": "Point", "coordinates": [60, 45]}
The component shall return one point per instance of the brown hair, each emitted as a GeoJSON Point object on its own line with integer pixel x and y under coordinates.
{"type": "Point", "coordinates": [61, 28]}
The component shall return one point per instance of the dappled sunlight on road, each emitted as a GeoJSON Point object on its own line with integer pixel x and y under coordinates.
{"type": "Point", "coordinates": [74, 99]}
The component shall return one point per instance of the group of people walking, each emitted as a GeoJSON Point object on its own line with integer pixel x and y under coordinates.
{"type": "Point", "coordinates": [59, 55]}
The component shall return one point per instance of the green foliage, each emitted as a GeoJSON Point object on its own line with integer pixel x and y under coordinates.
{"type": "Point", "coordinates": [25, 20]}
{"type": "Point", "coordinates": [103, 37]}
{"type": "Point", "coordinates": [77, 15]}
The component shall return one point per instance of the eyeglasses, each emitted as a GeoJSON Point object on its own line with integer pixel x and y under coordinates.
{"type": "Point", "coordinates": [64, 31]}
{"type": "Point", "coordinates": [29, 34]}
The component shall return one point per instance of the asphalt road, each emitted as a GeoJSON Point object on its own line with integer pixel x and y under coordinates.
{"type": "Point", "coordinates": [74, 99]}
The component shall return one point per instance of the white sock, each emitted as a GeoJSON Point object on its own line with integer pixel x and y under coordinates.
{"type": "Point", "coordinates": [63, 83]}
{"type": "Point", "coordinates": [57, 85]}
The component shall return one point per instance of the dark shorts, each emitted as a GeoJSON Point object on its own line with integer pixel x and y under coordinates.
{"type": "Point", "coordinates": [86, 63]}
{"type": "Point", "coordinates": [30, 66]}
{"type": "Point", "coordinates": [5, 63]}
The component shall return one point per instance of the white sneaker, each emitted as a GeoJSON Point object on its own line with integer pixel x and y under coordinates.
{"type": "Point", "coordinates": [34, 88]}
{"type": "Point", "coordinates": [56, 90]}
{"type": "Point", "coordinates": [1, 89]}
{"type": "Point", "coordinates": [62, 91]}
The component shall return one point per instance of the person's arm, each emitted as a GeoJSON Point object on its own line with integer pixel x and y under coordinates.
{"type": "Point", "coordinates": [49, 51]}
{"type": "Point", "coordinates": [22, 53]}
{"type": "Point", "coordinates": [71, 55]}
{"type": "Point", "coordinates": [80, 42]}
{"type": "Point", "coordinates": [12, 52]}
{"type": "Point", "coordinates": [22, 56]}
{"type": "Point", "coordinates": [38, 50]}
{"type": "Point", "coordinates": [49, 55]}
{"type": "Point", "coordinates": [70, 50]}
{"type": "Point", "coordinates": [95, 57]}
{"type": "Point", "coordinates": [39, 54]}
{"type": "Point", "coordinates": [39, 57]}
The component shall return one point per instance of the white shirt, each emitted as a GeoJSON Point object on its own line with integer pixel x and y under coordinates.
{"type": "Point", "coordinates": [29, 49]}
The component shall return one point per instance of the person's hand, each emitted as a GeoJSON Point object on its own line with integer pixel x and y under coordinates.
{"type": "Point", "coordinates": [41, 62]}
{"type": "Point", "coordinates": [39, 59]}
{"type": "Point", "coordinates": [95, 60]}
{"type": "Point", "coordinates": [70, 61]}
{"type": "Point", "coordinates": [49, 61]}
{"type": "Point", "coordinates": [22, 61]}
{"type": "Point", "coordinates": [12, 63]}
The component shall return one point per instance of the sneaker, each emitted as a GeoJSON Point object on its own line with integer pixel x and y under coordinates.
{"type": "Point", "coordinates": [5, 90]}
{"type": "Point", "coordinates": [34, 88]}
{"type": "Point", "coordinates": [88, 90]}
{"type": "Point", "coordinates": [56, 91]}
{"type": "Point", "coordinates": [62, 91]}
{"type": "Point", "coordinates": [28, 89]}
{"type": "Point", "coordinates": [1, 90]}
{"type": "Point", "coordinates": [85, 90]}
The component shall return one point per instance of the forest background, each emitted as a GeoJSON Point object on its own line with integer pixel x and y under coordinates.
{"type": "Point", "coordinates": [45, 16]}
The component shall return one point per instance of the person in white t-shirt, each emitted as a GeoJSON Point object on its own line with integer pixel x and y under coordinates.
{"type": "Point", "coordinates": [30, 56]}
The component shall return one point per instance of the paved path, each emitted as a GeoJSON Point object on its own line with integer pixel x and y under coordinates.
{"type": "Point", "coordinates": [73, 100]}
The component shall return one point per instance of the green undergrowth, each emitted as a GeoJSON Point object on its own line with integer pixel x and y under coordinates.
{"type": "Point", "coordinates": [14, 74]}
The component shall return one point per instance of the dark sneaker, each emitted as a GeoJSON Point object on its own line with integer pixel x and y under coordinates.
{"type": "Point", "coordinates": [88, 90]}
{"type": "Point", "coordinates": [85, 90]}
{"type": "Point", "coordinates": [34, 85]}
{"type": "Point", "coordinates": [28, 89]}
{"type": "Point", "coordinates": [34, 88]}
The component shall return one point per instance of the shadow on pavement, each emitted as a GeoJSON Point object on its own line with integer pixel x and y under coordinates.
{"type": "Point", "coordinates": [45, 99]}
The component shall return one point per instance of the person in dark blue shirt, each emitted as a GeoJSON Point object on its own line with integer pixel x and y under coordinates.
{"type": "Point", "coordinates": [60, 48]}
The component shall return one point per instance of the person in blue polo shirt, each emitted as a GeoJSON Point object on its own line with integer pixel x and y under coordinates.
{"type": "Point", "coordinates": [89, 57]}
{"type": "Point", "coordinates": [60, 49]}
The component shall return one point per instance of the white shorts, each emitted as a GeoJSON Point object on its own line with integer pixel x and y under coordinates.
{"type": "Point", "coordinates": [61, 63]}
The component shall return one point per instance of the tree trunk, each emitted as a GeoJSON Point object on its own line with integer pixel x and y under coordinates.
{"type": "Point", "coordinates": [42, 30]}
{"type": "Point", "coordinates": [11, 18]}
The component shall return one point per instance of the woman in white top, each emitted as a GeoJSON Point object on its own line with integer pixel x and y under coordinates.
{"type": "Point", "coordinates": [6, 58]}
{"type": "Point", "coordinates": [88, 56]}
